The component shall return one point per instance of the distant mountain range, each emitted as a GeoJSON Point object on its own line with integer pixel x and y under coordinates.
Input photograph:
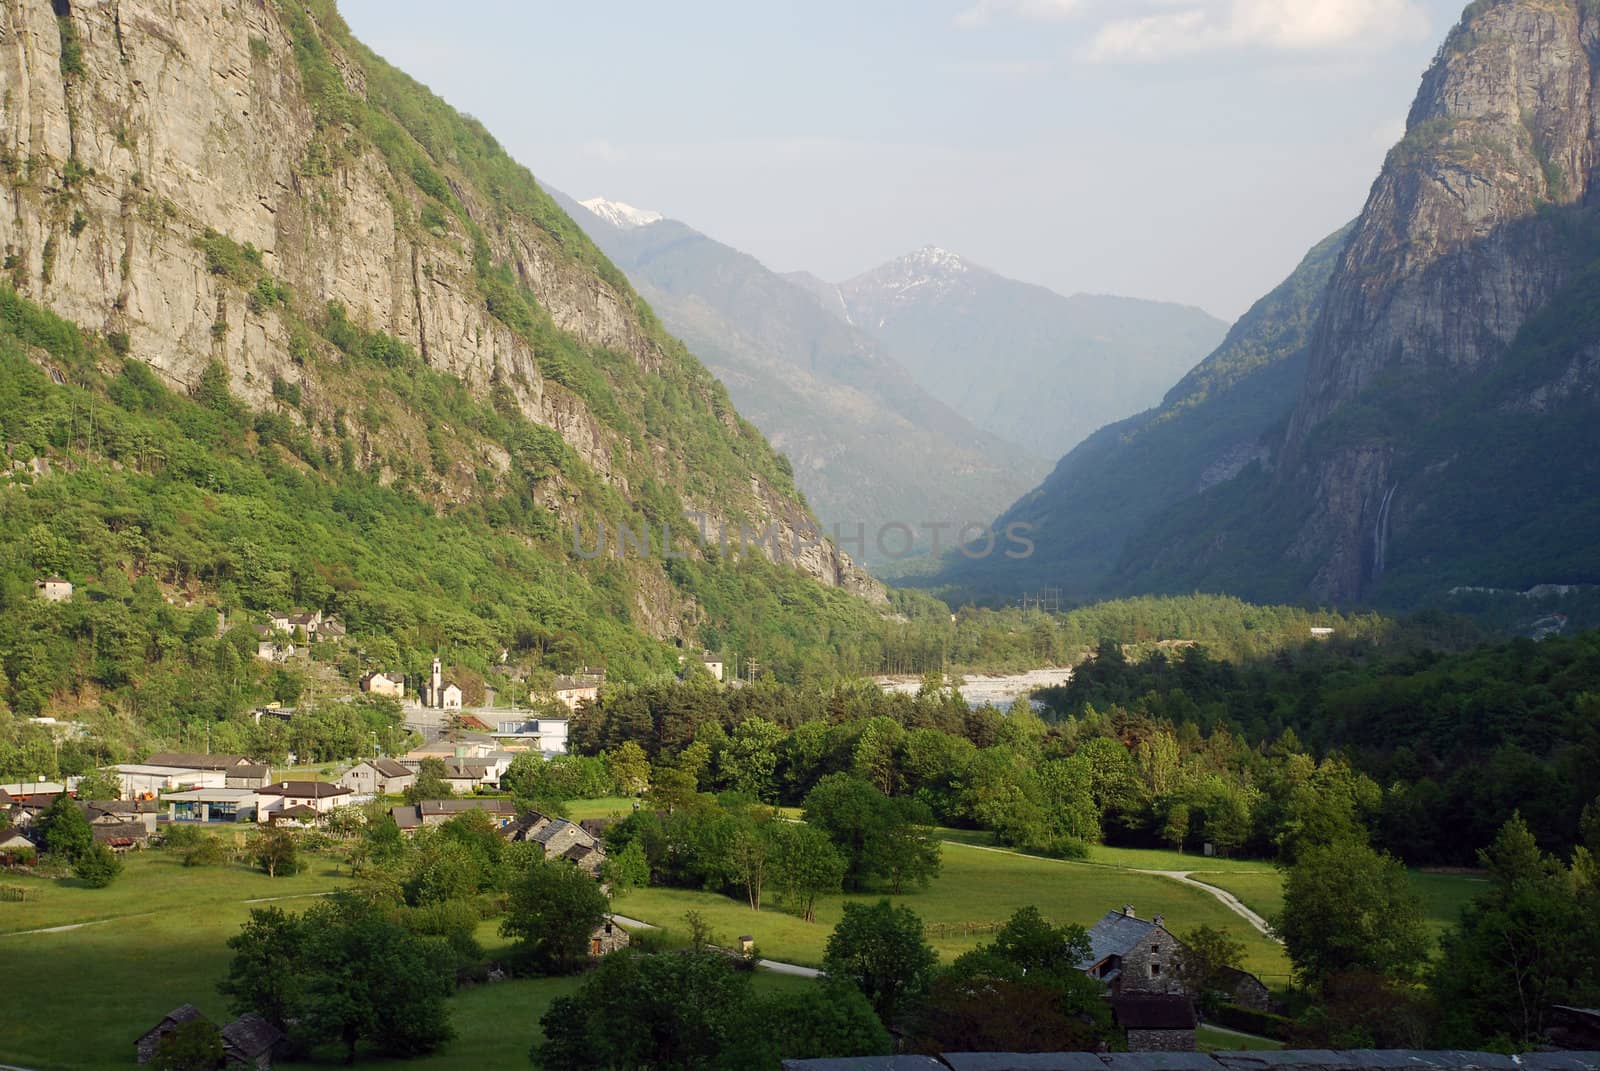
{"type": "Point", "coordinates": [1207, 429]}
{"type": "Point", "coordinates": [1020, 361]}
{"type": "Point", "coordinates": [877, 430]}
{"type": "Point", "coordinates": [868, 445]}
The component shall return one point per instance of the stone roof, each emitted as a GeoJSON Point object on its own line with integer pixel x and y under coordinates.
{"type": "Point", "coordinates": [183, 1013]}
{"type": "Point", "coordinates": [390, 768]}
{"type": "Point", "coordinates": [1286, 1060]}
{"type": "Point", "coordinates": [249, 1037]}
{"type": "Point", "coordinates": [1154, 1012]}
{"type": "Point", "coordinates": [1023, 1061]}
{"type": "Point", "coordinates": [1115, 935]}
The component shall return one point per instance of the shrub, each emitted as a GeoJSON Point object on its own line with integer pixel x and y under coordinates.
{"type": "Point", "coordinates": [1238, 1017]}
{"type": "Point", "coordinates": [97, 867]}
{"type": "Point", "coordinates": [205, 851]}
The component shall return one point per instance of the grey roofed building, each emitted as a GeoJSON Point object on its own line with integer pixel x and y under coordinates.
{"type": "Point", "coordinates": [1114, 935]}
{"type": "Point", "coordinates": [185, 760]}
{"type": "Point", "coordinates": [249, 1041]}
{"type": "Point", "coordinates": [147, 1044]}
{"type": "Point", "coordinates": [866, 1063]}
{"type": "Point", "coordinates": [314, 790]}
{"type": "Point", "coordinates": [1285, 1060]}
{"type": "Point", "coordinates": [1023, 1061]}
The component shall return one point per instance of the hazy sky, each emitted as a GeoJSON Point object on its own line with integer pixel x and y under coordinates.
{"type": "Point", "coordinates": [1190, 150]}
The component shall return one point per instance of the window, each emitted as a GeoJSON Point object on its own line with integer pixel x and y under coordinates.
{"type": "Point", "coordinates": [1155, 950]}
{"type": "Point", "coordinates": [1155, 970]}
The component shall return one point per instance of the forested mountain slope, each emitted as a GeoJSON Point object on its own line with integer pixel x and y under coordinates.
{"type": "Point", "coordinates": [326, 345]}
{"type": "Point", "coordinates": [1207, 429]}
{"type": "Point", "coordinates": [868, 444]}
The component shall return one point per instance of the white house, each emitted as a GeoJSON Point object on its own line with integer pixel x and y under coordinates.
{"type": "Point", "coordinates": [320, 796]}
{"type": "Point", "coordinates": [53, 589]}
{"type": "Point", "coordinates": [144, 780]}
{"type": "Point", "coordinates": [378, 777]}
{"type": "Point", "coordinates": [392, 685]}
{"type": "Point", "coordinates": [713, 664]}
{"type": "Point", "coordinates": [546, 735]}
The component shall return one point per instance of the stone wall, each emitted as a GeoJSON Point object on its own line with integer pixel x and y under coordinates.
{"type": "Point", "coordinates": [1161, 1041]}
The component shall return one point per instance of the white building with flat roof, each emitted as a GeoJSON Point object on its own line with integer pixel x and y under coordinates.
{"type": "Point", "coordinates": [139, 779]}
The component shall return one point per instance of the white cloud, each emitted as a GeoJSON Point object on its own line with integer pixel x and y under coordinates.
{"type": "Point", "coordinates": [985, 11]}
{"type": "Point", "coordinates": [1287, 25]}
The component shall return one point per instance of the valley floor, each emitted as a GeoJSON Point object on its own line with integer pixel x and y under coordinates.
{"type": "Point", "coordinates": [101, 966]}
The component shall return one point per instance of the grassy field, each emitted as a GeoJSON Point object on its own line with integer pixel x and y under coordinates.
{"type": "Point", "coordinates": [608, 807]}
{"type": "Point", "coordinates": [1443, 895]}
{"type": "Point", "coordinates": [1210, 1039]}
{"type": "Point", "coordinates": [157, 938]}
{"type": "Point", "coordinates": [975, 886]}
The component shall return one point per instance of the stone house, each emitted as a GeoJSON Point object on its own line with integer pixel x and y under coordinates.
{"type": "Point", "coordinates": [608, 937]}
{"type": "Point", "coordinates": [560, 839]}
{"type": "Point", "coordinates": [378, 777]}
{"type": "Point", "coordinates": [1156, 1022]}
{"type": "Point", "coordinates": [247, 1043]}
{"type": "Point", "coordinates": [1133, 955]}
{"type": "Point", "coordinates": [146, 1044]}
{"type": "Point", "coordinates": [53, 589]}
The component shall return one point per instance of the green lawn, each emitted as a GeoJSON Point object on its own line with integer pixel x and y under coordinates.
{"type": "Point", "coordinates": [1443, 895]}
{"type": "Point", "coordinates": [1210, 1039]}
{"type": "Point", "coordinates": [160, 941]}
{"type": "Point", "coordinates": [975, 886]}
{"type": "Point", "coordinates": [1260, 890]}
{"type": "Point", "coordinates": [156, 883]}
{"type": "Point", "coordinates": [607, 807]}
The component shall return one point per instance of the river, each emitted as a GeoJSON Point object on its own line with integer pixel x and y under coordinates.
{"type": "Point", "coordinates": [998, 689]}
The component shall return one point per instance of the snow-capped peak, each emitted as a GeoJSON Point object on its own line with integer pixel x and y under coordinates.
{"type": "Point", "coordinates": [620, 215]}
{"type": "Point", "coordinates": [932, 256]}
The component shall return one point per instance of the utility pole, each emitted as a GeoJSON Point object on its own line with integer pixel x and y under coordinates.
{"type": "Point", "coordinates": [750, 667]}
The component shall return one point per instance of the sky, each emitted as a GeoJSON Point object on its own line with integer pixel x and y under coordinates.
{"type": "Point", "coordinates": [1184, 150]}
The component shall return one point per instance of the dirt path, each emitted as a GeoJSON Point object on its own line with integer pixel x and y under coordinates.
{"type": "Point", "coordinates": [1228, 900]}
{"type": "Point", "coordinates": [76, 926]}
{"type": "Point", "coordinates": [775, 966]}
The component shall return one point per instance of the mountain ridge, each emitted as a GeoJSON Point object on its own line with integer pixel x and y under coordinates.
{"type": "Point", "coordinates": [1444, 434]}
{"type": "Point", "coordinates": [250, 205]}
{"type": "Point", "coordinates": [870, 445]}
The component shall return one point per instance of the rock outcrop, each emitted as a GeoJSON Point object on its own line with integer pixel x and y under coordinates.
{"type": "Point", "coordinates": [130, 129]}
{"type": "Point", "coordinates": [1446, 433]}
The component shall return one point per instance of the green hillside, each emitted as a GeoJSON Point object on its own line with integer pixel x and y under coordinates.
{"type": "Point", "coordinates": [1106, 490]}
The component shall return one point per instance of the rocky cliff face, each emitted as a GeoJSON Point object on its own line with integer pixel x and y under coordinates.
{"type": "Point", "coordinates": [1468, 230]}
{"type": "Point", "coordinates": [131, 128]}
{"type": "Point", "coordinates": [1446, 431]}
